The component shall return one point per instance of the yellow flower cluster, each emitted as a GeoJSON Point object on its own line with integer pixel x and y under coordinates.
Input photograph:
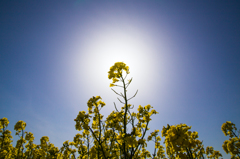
{"type": "Point", "coordinates": [95, 102]}
{"type": "Point", "coordinates": [30, 150]}
{"type": "Point", "coordinates": [122, 135]}
{"type": "Point", "coordinates": [182, 143]}
{"type": "Point", "coordinates": [211, 153]}
{"type": "Point", "coordinates": [20, 126]}
{"type": "Point", "coordinates": [116, 71]}
{"type": "Point", "coordinates": [154, 137]}
{"type": "Point", "coordinates": [3, 123]}
{"type": "Point", "coordinates": [144, 114]}
{"type": "Point", "coordinates": [227, 128]}
{"type": "Point", "coordinates": [232, 145]}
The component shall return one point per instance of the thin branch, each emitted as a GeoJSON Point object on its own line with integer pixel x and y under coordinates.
{"type": "Point", "coordinates": [128, 83]}
{"type": "Point", "coordinates": [115, 106]}
{"type": "Point", "coordinates": [129, 113]}
{"type": "Point", "coordinates": [132, 107]}
{"type": "Point", "coordinates": [100, 143]}
{"type": "Point", "coordinates": [116, 92]}
{"type": "Point", "coordinates": [122, 94]}
{"type": "Point", "coordinates": [128, 121]}
{"type": "Point", "coordinates": [125, 76]}
{"type": "Point", "coordinates": [133, 96]}
{"type": "Point", "coordinates": [154, 154]}
{"type": "Point", "coordinates": [120, 101]}
{"type": "Point", "coordinates": [143, 135]}
{"type": "Point", "coordinates": [118, 86]}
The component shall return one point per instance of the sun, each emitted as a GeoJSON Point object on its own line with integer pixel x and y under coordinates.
{"type": "Point", "coordinates": [104, 47]}
{"type": "Point", "coordinates": [116, 46]}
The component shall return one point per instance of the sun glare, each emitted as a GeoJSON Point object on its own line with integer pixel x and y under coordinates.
{"type": "Point", "coordinates": [116, 46]}
{"type": "Point", "coordinates": [103, 47]}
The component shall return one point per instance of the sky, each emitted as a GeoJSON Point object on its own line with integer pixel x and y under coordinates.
{"type": "Point", "coordinates": [184, 57]}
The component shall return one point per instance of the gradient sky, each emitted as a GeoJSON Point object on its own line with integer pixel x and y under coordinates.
{"type": "Point", "coordinates": [184, 57]}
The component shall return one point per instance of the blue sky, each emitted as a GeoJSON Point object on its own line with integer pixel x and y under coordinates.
{"type": "Point", "coordinates": [183, 56]}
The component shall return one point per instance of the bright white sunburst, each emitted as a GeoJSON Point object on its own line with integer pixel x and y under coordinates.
{"type": "Point", "coordinates": [104, 47]}
{"type": "Point", "coordinates": [112, 46]}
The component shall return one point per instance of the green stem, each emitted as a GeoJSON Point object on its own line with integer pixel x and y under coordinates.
{"type": "Point", "coordinates": [98, 143]}
{"type": "Point", "coordinates": [141, 138]}
{"type": "Point", "coordinates": [3, 135]}
{"type": "Point", "coordinates": [125, 116]}
{"type": "Point", "coordinates": [88, 145]}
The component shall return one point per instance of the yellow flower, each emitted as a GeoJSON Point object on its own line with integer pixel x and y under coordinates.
{"type": "Point", "coordinates": [4, 122]}
{"type": "Point", "coordinates": [115, 80]}
{"type": "Point", "coordinates": [116, 71]}
{"type": "Point", "coordinates": [29, 136]}
{"type": "Point", "coordinates": [20, 125]}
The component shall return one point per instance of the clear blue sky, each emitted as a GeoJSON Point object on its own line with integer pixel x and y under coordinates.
{"type": "Point", "coordinates": [184, 57]}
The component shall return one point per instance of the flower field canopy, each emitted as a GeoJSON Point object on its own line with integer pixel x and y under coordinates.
{"type": "Point", "coordinates": [111, 139]}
